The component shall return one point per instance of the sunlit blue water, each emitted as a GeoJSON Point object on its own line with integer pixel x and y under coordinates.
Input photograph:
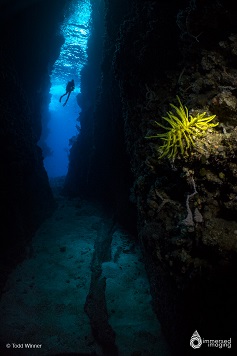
{"type": "Point", "coordinates": [62, 128]}
{"type": "Point", "coordinates": [73, 56]}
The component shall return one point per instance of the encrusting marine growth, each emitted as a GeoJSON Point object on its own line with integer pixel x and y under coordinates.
{"type": "Point", "coordinates": [183, 130]}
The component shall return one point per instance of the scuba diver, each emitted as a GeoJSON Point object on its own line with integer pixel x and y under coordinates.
{"type": "Point", "coordinates": [69, 88]}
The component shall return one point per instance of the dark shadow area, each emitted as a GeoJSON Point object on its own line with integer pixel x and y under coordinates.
{"type": "Point", "coordinates": [26, 51]}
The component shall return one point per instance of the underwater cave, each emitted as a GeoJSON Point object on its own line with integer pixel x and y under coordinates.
{"type": "Point", "coordinates": [119, 177]}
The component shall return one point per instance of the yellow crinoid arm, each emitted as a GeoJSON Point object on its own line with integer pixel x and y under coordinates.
{"type": "Point", "coordinates": [164, 127]}
{"type": "Point", "coordinates": [182, 112]}
{"type": "Point", "coordinates": [177, 119]}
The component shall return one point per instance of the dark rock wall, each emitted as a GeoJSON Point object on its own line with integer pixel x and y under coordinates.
{"type": "Point", "coordinates": [189, 240]}
{"type": "Point", "coordinates": [186, 207]}
{"type": "Point", "coordinates": [29, 45]}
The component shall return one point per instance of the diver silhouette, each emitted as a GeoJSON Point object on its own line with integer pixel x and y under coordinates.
{"type": "Point", "coordinates": [69, 88]}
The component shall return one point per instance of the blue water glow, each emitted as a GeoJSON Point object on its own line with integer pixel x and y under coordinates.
{"type": "Point", "coordinates": [73, 56]}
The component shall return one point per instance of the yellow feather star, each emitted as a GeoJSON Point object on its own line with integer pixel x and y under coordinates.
{"type": "Point", "coordinates": [183, 129]}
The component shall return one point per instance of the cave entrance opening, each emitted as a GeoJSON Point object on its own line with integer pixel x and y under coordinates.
{"type": "Point", "coordinates": [63, 124]}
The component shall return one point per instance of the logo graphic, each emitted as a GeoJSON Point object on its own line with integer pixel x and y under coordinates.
{"type": "Point", "coordinates": [195, 340]}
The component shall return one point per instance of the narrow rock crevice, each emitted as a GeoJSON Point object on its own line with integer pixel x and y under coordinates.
{"type": "Point", "coordinates": [95, 306]}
